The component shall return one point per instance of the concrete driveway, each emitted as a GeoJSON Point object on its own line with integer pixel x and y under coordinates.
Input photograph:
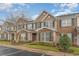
{"type": "Point", "coordinates": [7, 51]}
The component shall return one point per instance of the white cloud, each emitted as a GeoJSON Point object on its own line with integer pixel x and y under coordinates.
{"type": "Point", "coordinates": [8, 6]}
{"type": "Point", "coordinates": [72, 6]}
{"type": "Point", "coordinates": [24, 5]}
{"type": "Point", "coordinates": [65, 8]}
{"type": "Point", "coordinates": [5, 6]}
{"type": "Point", "coordinates": [35, 16]}
{"type": "Point", "coordinates": [66, 11]}
{"type": "Point", "coordinates": [69, 5]}
{"type": "Point", "coordinates": [61, 13]}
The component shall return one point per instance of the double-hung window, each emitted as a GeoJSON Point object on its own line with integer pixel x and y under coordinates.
{"type": "Point", "coordinates": [29, 26]}
{"type": "Point", "coordinates": [66, 22]}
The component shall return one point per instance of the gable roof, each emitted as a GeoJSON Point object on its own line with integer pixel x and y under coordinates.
{"type": "Point", "coordinates": [43, 16]}
{"type": "Point", "coordinates": [21, 20]}
{"type": "Point", "coordinates": [7, 23]}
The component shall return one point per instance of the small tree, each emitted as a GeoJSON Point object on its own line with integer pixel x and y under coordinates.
{"type": "Point", "coordinates": [64, 42]}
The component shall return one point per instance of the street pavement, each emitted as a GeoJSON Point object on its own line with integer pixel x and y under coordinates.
{"type": "Point", "coordinates": [7, 51]}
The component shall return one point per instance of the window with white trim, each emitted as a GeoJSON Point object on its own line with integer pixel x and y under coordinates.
{"type": "Point", "coordinates": [45, 36]}
{"type": "Point", "coordinates": [29, 26]}
{"type": "Point", "coordinates": [66, 22]}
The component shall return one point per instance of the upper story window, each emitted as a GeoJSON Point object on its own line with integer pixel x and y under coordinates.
{"type": "Point", "coordinates": [34, 26]}
{"type": "Point", "coordinates": [66, 22]}
{"type": "Point", "coordinates": [29, 26]}
{"type": "Point", "coordinates": [46, 24]}
{"type": "Point", "coordinates": [38, 25]}
{"type": "Point", "coordinates": [21, 26]}
{"type": "Point", "coordinates": [51, 24]}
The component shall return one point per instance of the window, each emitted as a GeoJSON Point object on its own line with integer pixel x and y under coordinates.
{"type": "Point", "coordinates": [42, 24]}
{"type": "Point", "coordinates": [38, 25]}
{"type": "Point", "coordinates": [23, 36]}
{"type": "Point", "coordinates": [45, 36]}
{"type": "Point", "coordinates": [69, 22]}
{"type": "Point", "coordinates": [51, 24]}
{"type": "Point", "coordinates": [33, 26]}
{"type": "Point", "coordinates": [19, 27]}
{"type": "Point", "coordinates": [46, 24]}
{"type": "Point", "coordinates": [29, 26]}
{"type": "Point", "coordinates": [66, 22]}
{"type": "Point", "coordinates": [48, 36]}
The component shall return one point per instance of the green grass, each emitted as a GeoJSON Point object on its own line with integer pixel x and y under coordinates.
{"type": "Point", "coordinates": [49, 46]}
{"type": "Point", "coordinates": [4, 42]}
{"type": "Point", "coordinates": [43, 46]}
{"type": "Point", "coordinates": [75, 50]}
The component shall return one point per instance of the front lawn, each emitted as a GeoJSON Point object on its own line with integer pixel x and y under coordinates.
{"type": "Point", "coordinates": [43, 46]}
{"type": "Point", "coordinates": [46, 46]}
{"type": "Point", "coordinates": [4, 42]}
{"type": "Point", "coordinates": [75, 50]}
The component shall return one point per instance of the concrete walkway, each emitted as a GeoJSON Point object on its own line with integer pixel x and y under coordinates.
{"type": "Point", "coordinates": [50, 53]}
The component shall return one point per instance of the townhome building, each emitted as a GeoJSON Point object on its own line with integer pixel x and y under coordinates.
{"type": "Point", "coordinates": [45, 28]}
{"type": "Point", "coordinates": [68, 24]}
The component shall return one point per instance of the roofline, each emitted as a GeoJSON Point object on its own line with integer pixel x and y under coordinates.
{"type": "Point", "coordinates": [67, 14]}
{"type": "Point", "coordinates": [47, 13]}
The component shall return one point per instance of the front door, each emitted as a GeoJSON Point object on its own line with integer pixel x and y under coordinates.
{"type": "Point", "coordinates": [34, 36]}
{"type": "Point", "coordinates": [12, 36]}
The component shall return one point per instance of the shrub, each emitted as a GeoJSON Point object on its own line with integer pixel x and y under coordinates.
{"type": "Point", "coordinates": [64, 43]}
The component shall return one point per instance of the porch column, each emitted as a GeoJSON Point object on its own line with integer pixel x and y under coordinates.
{"type": "Point", "coordinates": [15, 36]}
{"type": "Point", "coordinates": [29, 36]}
{"type": "Point", "coordinates": [54, 38]}
{"type": "Point", "coordinates": [8, 36]}
{"type": "Point", "coordinates": [37, 39]}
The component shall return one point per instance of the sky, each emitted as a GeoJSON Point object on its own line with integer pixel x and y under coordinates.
{"type": "Point", "coordinates": [33, 10]}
